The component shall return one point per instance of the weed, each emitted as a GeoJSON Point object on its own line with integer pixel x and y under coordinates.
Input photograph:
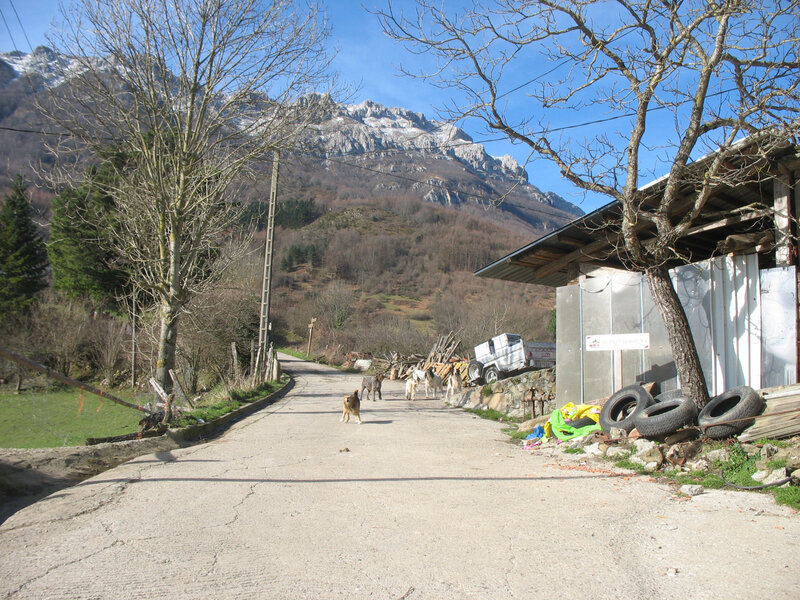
{"type": "Point", "coordinates": [739, 468]}
{"type": "Point", "coordinates": [776, 443]}
{"type": "Point", "coordinates": [574, 451]}
{"type": "Point", "coordinates": [629, 465]}
{"type": "Point", "coordinates": [486, 391]}
{"type": "Point", "coordinates": [712, 481]}
{"type": "Point", "coordinates": [790, 496]}
{"type": "Point", "coordinates": [515, 434]}
{"type": "Point", "coordinates": [776, 464]}
{"type": "Point", "coordinates": [488, 413]}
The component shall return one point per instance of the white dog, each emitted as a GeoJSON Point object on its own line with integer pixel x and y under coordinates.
{"type": "Point", "coordinates": [431, 380]}
{"type": "Point", "coordinates": [420, 375]}
{"type": "Point", "coordinates": [411, 388]}
{"type": "Point", "coordinates": [454, 385]}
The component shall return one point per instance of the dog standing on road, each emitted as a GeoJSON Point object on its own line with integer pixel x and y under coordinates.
{"type": "Point", "coordinates": [454, 385]}
{"type": "Point", "coordinates": [351, 405]}
{"type": "Point", "coordinates": [372, 384]}
{"type": "Point", "coordinates": [411, 389]}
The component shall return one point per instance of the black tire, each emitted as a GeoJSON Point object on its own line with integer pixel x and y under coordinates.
{"type": "Point", "coordinates": [737, 403]}
{"type": "Point", "coordinates": [663, 418]}
{"type": "Point", "coordinates": [582, 422]}
{"type": "Point", "coordinates": [668, 395]}
{"type": "Point", "coordinates": [475, 371]}
{"type": "Point", "coordinates": [491, 374]}
{"type": "Point", "coordinates": [619, 411]}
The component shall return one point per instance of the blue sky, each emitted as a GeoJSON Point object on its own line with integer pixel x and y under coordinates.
{"type": "Point", "coordinates": [366, 59]}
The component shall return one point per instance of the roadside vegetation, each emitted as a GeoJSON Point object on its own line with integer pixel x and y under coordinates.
{"type": "Point", "coordinates": [738, 469]}
{"type": "Point", "coordinates": [50, 417]}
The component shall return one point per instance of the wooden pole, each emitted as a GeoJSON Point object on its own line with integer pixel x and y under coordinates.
{"type": "Point", "coordinates": [310, 333]}
{"type": "Point", "coordinates": [133, 340]}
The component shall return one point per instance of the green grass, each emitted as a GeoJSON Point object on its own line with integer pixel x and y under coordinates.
{"type": "Point", "coordinates": [574, 451]}
{"type": "Point", "coordinates": [236, 399]}
{"type": "Point", "coordinates": [738, 470]}
{"type": "Point", "coordinates": [295, 353]}
{"type": "Point", "coordinates": [491, 414]}
{"type": "Point", "coordinates": [54, 418]}
{"type": "Point", "coordinates": [789, 496]}
{"type": "Point", "coordinates": [626, 463]}
{"type": "Point", "coordinates": [515, 434]}
{"type": "Point", "coordinates": [66, 417]}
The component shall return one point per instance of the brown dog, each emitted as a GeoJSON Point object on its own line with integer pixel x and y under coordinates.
{"type": "Point", "coordinates": [351, 406]}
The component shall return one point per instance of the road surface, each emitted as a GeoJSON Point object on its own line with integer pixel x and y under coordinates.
{"type": "Point", "coordinates": [419, 502]}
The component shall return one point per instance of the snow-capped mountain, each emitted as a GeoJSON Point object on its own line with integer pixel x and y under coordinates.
{"type": "Point", "coordinates": [366, 149]}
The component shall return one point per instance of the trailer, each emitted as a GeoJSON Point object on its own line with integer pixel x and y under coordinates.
{"type": "Point", "coordinates": [507, 354]}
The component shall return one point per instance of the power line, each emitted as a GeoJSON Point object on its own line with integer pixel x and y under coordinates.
{"type": "Point", "coordinates": [21, 26]}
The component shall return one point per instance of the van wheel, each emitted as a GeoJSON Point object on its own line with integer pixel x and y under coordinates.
{"type": "Point", "coordinates": [474, 371]}
{"type": "Point", "coordinates": [491, 375]}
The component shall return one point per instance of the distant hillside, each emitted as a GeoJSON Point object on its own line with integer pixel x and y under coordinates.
{"type": "Point", "coordinates": [400, 211]}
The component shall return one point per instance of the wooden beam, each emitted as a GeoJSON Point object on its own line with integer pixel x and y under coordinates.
{"type": "Point", "coordinates": [783, 223]}
{"type": "Point", "coordinates": [733, 220]}
{"type": "Point", "coordinates": [573, 256]}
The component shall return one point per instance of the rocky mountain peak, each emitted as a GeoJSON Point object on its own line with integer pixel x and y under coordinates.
{"type": "Point", "coordinates": [379, 150]}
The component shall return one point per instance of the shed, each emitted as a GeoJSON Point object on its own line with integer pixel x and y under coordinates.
{"type": "Point", "coordinates": [736, 277]}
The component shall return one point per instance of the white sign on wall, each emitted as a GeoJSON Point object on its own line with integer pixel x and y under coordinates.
{"type": "Point", "coordinates": [619, 341]}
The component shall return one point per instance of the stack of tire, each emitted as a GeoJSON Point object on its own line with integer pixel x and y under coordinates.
{"type": "Point", "coordinates": [633, 407]}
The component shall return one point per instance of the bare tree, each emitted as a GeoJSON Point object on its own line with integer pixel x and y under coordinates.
{"type": "Point", "coordinates": [713, 71]}
{"type": "Point", "coordinates": [187, 94]}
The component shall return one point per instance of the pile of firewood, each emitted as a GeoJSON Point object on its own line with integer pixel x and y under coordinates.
{"type": "Point", "coordinates": [441, 358]}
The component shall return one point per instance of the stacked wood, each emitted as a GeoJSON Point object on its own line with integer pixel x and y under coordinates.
{"type": "Point", "coordinates": [781, 417]}
{"type": "Point", "coordinates": [443, 350]}
{"type": "Point", "coordinates": [440, 358]}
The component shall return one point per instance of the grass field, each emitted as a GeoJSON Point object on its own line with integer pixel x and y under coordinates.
{"type": "Point", "coordinates": [48, 419]}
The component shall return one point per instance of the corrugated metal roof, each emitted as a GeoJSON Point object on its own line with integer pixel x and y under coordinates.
{"type": "Point", "coordinates": [549, 260]}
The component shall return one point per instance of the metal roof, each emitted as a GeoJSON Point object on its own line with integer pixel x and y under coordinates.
{"type": "Point", "coordinates": [743, 208]}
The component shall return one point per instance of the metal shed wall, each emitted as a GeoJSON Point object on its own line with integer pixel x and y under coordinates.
{"type": "Point", "coordinates": [723, 300]}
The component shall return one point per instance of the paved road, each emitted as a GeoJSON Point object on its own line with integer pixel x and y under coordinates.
{"type": "Point", "coordinates": [418, 502]}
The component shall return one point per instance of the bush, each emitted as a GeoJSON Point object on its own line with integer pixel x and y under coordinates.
{"type": "Point", "coordinates": [298, 254]}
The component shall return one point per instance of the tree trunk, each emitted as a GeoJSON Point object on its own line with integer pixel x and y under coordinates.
{"type": "Point", "coordinates": [167, 344]}
{"type": "Point", "coordinates": [687, 362]}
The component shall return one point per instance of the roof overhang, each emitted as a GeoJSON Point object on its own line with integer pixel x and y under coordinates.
{"type": "Point", "coordinates": [744, 209]}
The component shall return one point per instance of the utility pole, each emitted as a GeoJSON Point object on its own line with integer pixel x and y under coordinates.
{"type": "Point", "coordinates": [263, 328]}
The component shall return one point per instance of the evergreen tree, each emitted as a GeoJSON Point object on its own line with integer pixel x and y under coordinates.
{"type": "Point", "coordinates": [23, 258]}
{"type": "Point", "coordinates": [82, 265]}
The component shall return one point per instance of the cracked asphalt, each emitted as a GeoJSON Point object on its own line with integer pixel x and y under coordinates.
{"type": "Point", "coordinates": [420, 501]}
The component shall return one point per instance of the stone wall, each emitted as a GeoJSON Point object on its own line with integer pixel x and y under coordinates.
{"type": "Point", "coordinates": [507, 395]}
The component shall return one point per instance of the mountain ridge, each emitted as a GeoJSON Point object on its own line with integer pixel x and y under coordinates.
{"type": "Point", "coordinates": [368, 148]}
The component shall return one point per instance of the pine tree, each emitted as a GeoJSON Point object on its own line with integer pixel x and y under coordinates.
{"type": "Point", "coordinates": [23, 258]}
{"type": "Point", "coordinates": [82, 267]}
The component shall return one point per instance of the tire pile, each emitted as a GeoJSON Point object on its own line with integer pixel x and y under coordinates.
{"type": "Point", "coordinates": [726, 415]}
